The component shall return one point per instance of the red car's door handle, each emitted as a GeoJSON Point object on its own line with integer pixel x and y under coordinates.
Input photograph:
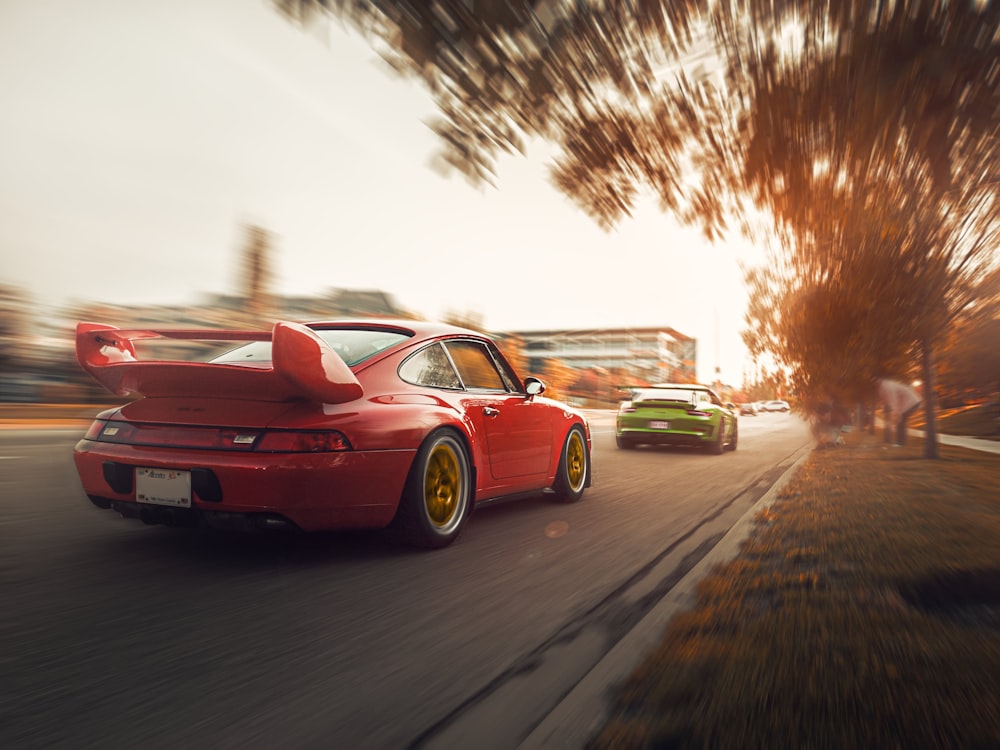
{"type": "Point", "coordinates": [489, 411]}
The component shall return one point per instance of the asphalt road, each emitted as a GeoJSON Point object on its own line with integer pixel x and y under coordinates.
{"type": "Point", "coordinates": [114, 634]}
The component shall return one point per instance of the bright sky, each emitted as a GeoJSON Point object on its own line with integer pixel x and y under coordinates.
{"type": "Point", "coordinates": [137, 137]}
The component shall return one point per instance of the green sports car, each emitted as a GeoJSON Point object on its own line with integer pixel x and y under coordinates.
{"type": "Point", "coordinates": [677, 414]}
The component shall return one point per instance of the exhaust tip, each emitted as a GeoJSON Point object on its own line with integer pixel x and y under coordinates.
{"type": "Point", "coordinates": [271, 522]}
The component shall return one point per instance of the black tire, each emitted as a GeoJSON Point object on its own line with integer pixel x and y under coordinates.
{"type": "Point", "coordinates": [736, 435]}
{"type": "Point", "coordinates": [574, 467]}
{"type": "Point", "coordinates": [438, 493]}
{"type": "Point", "coordinates": [624, 443]}
{"type": "Point", "coordinates": [719, 444]}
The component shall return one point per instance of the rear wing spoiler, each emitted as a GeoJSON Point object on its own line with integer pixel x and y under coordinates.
{"type": "Point", "coordinates": [632, 390]}
{"type": "Point", "coordinates": [303, 366]}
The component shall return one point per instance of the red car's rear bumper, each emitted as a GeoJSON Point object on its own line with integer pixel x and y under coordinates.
{"type": "Point", "coordinates": [314, 491]}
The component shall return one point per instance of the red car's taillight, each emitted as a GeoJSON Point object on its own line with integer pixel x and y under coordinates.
{"type": "Point", "coordinates": [215, 438]}
{"type": "Point", "coordinates": [174, 436]}
{"type": "Point", "coordinates": [95, 429]}
{"type": "Point", "coordinates": [114, 432]}
{"type": "Point", "coordinates": [281, 441]}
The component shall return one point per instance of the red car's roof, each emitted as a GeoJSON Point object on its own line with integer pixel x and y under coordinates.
{"type": "Point", "coordinates": [419, 328]}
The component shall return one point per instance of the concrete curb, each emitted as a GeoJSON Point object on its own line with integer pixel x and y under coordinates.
{"type": "Point", "coordinates": [574, 721]}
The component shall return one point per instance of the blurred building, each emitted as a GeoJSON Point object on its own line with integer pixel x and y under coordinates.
{"type": "Point", "coordinates": [17, 355]}
{"type": "Point", "coordinates": [228, 310]}
{"type": "Point", "coordinates": [40, 364]}
{"type": "Point", "coordinates": [650, 355]}
{"type": "Point", "coordinates": [14, 325]}
{"type": "Point", "coordinates": [342, 303]}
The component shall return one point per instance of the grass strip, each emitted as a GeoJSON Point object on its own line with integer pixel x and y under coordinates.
{"type": "Point", "coordinates": [863, 612]}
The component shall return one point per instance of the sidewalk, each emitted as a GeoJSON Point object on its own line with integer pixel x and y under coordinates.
{"type": "Point", "coordinates": [975, 443]}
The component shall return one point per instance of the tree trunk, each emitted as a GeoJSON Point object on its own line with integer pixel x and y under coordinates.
{"type": "Point", "coordinates": [930, 400]}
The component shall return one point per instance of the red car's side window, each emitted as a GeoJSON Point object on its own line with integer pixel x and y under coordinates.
{"type": "Point", "coordinates": [430, 367]}
{"type": "Point", "coordinates": [475, 366]}
{"type": "Point", "coordinates": [510, 378]}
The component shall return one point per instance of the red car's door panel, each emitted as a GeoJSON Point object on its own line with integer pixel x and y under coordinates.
{"type": "Point", "coordinates": [518, 434]}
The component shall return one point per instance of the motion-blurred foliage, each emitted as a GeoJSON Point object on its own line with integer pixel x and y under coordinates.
{"type": "Point", "coordinates": [866, 131]}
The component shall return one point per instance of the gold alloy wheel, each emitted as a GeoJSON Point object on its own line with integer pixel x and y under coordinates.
{"type": "Point", "coordinates": [576, 461]}
{"type": "Point", "coordinates": [442, 485]}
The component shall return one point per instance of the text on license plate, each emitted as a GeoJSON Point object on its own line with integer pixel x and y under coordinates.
{"type": "Point", "coordinates": [658, 424]}
{"type": "Point", "coordinates": [163, 487]}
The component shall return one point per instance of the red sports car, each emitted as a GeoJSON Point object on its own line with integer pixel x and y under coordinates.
{"type": "Point", "coordinates": [323, 426]}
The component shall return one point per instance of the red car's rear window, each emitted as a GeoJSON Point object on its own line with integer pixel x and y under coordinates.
{"type": "Point", "coordinates": [354, 345]}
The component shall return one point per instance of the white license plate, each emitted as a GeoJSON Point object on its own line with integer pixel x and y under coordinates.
{"type": "Point", "coordinates": [163, 487]}
{"type": "Point", "coordinates": [657, 424]}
